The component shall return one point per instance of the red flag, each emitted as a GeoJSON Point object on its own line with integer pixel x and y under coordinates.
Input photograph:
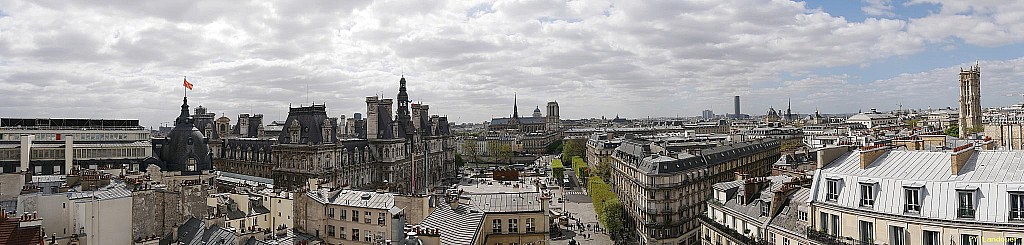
{"type": "Point", "coordinates": [187, 84]}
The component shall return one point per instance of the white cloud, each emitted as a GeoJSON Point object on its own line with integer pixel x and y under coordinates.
{"type": "Point", "coordinates": [878, 8]}
{"type": "Point", "coordinates": [125, 59]}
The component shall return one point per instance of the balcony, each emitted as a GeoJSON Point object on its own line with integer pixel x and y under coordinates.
{"type": "Point", "coordinates": [825, 239]}
{"type": "Point", "coordinates": [729, 232]}
{"type": "Point", "coordinates": [965, 213]}
{"type": "Point", "coordinates": [1017, 215]}
{"type": "Point", "coordinates": [659, 210]}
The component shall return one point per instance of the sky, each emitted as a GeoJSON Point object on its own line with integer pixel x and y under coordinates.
{"type": "Point", "coordinates": [126, 59]}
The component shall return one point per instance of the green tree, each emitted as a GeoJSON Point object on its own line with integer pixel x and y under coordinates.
{"type": "Point", "coordinates": [469, 148]}
{"type": "Point", "coordinates": [604, 168]}
{"type": "Point", "coordinates": [571, 148]}
{"type": "Point", "coordinates": [555, 147]}
{"type": "Point", "coordinates": [612, 218]}
{"type": "Point", "coordinates": [953, 130]}
{"type": "Point", "coordinates": [557, 169]}
{"type": "Point", "coordinates": [504, 153]}
{"type": "Point", "coordinates": [459, 163]}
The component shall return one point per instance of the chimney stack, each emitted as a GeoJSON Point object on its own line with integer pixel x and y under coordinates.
{"type": "Point", "coordinates": [958, 158]}
{"type": "Point", "coordinates": [752, 186]}
{"type": "Point", "coordinates": [869, 154]}
{"type": "Point", "coordinates": [829, 154]}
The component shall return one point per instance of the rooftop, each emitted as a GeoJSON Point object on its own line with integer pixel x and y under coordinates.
{"type": "Point", "coordinates": [362, 199]}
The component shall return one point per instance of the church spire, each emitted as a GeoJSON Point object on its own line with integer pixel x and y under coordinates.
{"type": "Point", "coordinates": [515, 106]}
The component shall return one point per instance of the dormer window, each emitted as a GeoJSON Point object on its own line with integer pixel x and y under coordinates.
{"type": "Point", "coordinates": [832, 190]}
{"type": "Point", "coordinates": [867, 194]}
{"type": "Point", "coordinates": [912, 199]}
{"type": "Point", "coordinates": [965, 204]}
{"type": "Point", "coordinates": [766, 208]}
{"type": "Point", "coordinates": [1017, 206]}
{"type": "Point", "coordinates": [190, 165]}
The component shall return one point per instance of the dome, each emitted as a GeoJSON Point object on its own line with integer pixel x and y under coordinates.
{"type": "Point", "coordinates": [185, 148]}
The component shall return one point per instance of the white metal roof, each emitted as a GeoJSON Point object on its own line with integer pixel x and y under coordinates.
{"type": "Point", "coordinates": [991, 173]}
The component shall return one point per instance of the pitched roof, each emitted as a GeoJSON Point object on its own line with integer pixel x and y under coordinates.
{"type": "Point", "coordinates": [456, 226]}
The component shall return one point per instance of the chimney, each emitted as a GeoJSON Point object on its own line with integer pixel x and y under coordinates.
{"type": "Point", "coordinates": [958, 158]}
{"type": "Point", "coordinates": [869, 154]}
{"type": "Point", "coordinates": [752, 186]}
{"type": "Point", "coordinates": [741, 176]}
{"type": "Point", "coordinates": [779, 196]}
{"type": "Point", "coordinates": [829, 154]}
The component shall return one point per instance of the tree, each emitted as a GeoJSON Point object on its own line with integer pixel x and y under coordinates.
{"type": "Point", "coordinates": [604, 168]}
{"type": "Point", "coordinates": [612, 218]}
{"type": "Point", "coordinates": [555, 147]}
{"type": "Point", "coordinates": [459, 163]}
{"type": "Point", "coordinates": [504, 153]}
{"type": "Point", "coordinates": [469, 148]}
{"type": "Point", "coordinates": [571, 148]}
{"type": "Point", "coordinates": [953, 130]}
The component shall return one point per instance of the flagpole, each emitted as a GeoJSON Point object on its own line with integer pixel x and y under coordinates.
{"type": "Point", "coordinates": [185, 89]}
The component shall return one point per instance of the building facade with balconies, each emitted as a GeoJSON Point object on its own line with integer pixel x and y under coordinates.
{"type": "Point", "coordinates": [663, 193]}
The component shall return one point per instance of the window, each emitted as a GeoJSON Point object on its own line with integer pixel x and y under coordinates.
{"type": "Point", "coordinates": [912, 197]}
{"type": "Point", "coordinates": [968, 239]}
{"type": "Point", "coordinates": [330, 230]}
{"type": "Point", "coordinates": [330, 212]}
{"type": "Point", "coordinates": [867, 195]}
{"type": "Point", "coordinates": [355, 234]}
{"type": "Point", "coordinates": [1017, 206]}
{"type": "Point", "coordinates": [513, 225]}
{"type": "Point", "coordinates": [867, 232]}
{"type": "Point", "coordinates": [771, 238]}
{"type": "Point", "coordinates": [766, 208]}
{"type": "Point", "coordinates": [930, 238]}
{"type": "Point", "coordinates": [833, 190]}
{"type": "Point", "coordinates": [785, 241]}
{"type": "Point", "coordinates": [529, 225]}
{"type": "Point", "coordinates": [355, 218]}
{"type": "Point", "coordinates": [1013, 241]}
{"type": "Point", "coordinates": [496, 226]}
{"type": "Point", "coordinates": [380, 218]}
{"type": "Point", "coordinates": [367, 218]}
{"type": "Point", "coordinates": [343, 215]}
{"type": "Point", "coordinates": [802, 215]}
{"type": "Point", "coordinates": [368, 237]}
{"type": "Point", "coordinates": [897, 235]}
{"type": "Point", "coordinates": [341, 233]}
{"type": "Point", "coordinates": [966, 204]}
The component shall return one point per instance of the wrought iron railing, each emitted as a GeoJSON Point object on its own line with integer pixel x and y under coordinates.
{"type": "Point", "coordinates": [828, 239]}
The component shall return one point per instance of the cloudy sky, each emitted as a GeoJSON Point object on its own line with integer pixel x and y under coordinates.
{"type": "Point", "coordinates": [126, 58]}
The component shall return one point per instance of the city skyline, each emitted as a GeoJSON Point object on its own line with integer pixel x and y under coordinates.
{"type": "Point", "coordinates": [126, 60]}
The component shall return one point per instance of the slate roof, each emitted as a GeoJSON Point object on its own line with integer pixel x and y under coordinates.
{"type": "Point", "coordinates": [654, 163]}
{"type": "Point", "coordinates": [522, 120]}
{"type": "Point", "coordinates": [310, 120]}
{"type": "Point", "coordinates": [195, 232]}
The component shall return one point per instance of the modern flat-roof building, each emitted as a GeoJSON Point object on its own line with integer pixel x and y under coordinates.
{"type": "Point", "coordinates": [876, 194]}
{"type": "Point", "coordinates": [55, 146]}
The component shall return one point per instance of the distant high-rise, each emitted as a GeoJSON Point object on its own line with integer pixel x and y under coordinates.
{"type": "Point", "coordinates": [970, 100]}
{"type": "Point", "coordinates": [707, 114]}
{"type": "Point", "coordinates": [736, 113]}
